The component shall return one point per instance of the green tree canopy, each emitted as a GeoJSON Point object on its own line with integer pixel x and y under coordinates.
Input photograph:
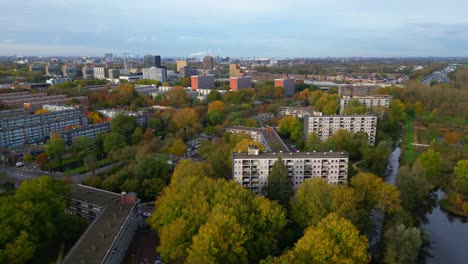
{"type": "Point", "coordinates": [124, 125]}
{"type": "Point", "coordinates": [279, 187]}
{"type": "Point", "coordinates": [431, 162]}
{"type": "Point", "coordinates": [113, 141]}
{"type": "Point", "coordinates": [55, 147]}
{"type": "Point", "coordinates": [403, 245]}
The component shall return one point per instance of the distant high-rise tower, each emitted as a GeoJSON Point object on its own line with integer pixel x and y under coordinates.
{"type": "Point", "coordinates": [181, 64]}
{"type": "Point", "coordinates": [151, 61]}
{"type": "Point", "coordinates": [235, 70]}
{"type": "Point", "coordinates": [208, 63]}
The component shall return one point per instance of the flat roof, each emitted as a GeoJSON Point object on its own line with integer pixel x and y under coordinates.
{"type": "Point", "coordinates": [95, 242]}
{"type": "Point", "coordinates": [271, 137]}
{"type": "Point", "coordinates": [285, 155]}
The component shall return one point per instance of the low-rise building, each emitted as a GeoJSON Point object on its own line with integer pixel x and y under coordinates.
{"type": "Point", "coordinates": [114, 219]}
{"type": "Point", "coordinates": [89, 131]}
{"type": "Point", "coordinates": [251, 169]}
{"type": "Point", "coordinates": [327, 125]}
{"type": "Point", "coordinates": [299, 112]}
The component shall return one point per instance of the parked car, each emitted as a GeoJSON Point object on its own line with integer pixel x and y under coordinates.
{"type": "Point", "coordinates": [19, 164]}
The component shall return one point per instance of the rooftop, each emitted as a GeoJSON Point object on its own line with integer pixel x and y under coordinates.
{"type": "Point", "coordinates": [95, 243]}
{"type": "Point", "coordinates": [284, 155]}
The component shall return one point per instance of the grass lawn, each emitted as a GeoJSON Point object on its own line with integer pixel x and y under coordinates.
{"type": "Point", "coordinates": [410, 152]}
{"type": "Point", "coordinates": [82, 169]}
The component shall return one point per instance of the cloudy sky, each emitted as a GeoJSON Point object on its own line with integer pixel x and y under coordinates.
{"type": "Point", "coordinates": [271, 28]}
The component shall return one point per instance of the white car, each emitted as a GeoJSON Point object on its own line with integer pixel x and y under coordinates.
{"type": "Point", "coordinates": [146, 214]}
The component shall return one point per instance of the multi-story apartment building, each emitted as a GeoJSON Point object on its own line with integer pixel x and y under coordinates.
{"type": "Point", "coordinates": [89, 131]}
{"type": "Point", "coordinates": [114, 73]}
{"type": "Point", "coordinates": [251, 169]}
{"type": "Point", "coordinates": [69, 70]}
{"type": "Point", "coordinates": [24, 128]}
{"type": "Point", "coordinates": [367, 101]}
{"type": "Point", "coordinates": [36, 68]}
{"type": "Point", "coordinates": [52, 69]}
{"type": "Point", "coordinates": [101, 73]}
{"type": "Point", "coordinates": [350, 90]}
{"type": "Point", "coordinates": [180, 65]}
{"type": "Point", "coordinates": [235, 70]}
{"type": "Point", "coordinates": [88, 72]}
{"type": "Point", "coordinates": [32, 102]}
{"type": "Point", "coordinates": [238, 83]}
{"type": "Point", "coordinates": [289, 85]}
{"type": "Point", "coordinates": [203, 82]}
{"type": "Point", "coordinates": [208, 64]}
{"type": "Point", "coordinates": [153, 73]}
{"type": "Point", "coordinates": [146, 89]}
{"type": "Point", "coordinates": [327, 125]}
{"type": "Point", "coordinates": [114, 219]}
{"type": "Point", "coordinates": [152, 61]}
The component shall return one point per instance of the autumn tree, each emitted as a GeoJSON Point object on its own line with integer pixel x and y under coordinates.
{"type": "Point", "coordinates": [148, 135]}
{"type": "Point", "coordinates": [216, 106]}
{"type": "Point", "coordinates": [333, 240]}
{"type": "Point", "coordinates": [244, 144]}
{"type": "Point", "coordinates": [186, 120]}
{"type": "Point", "coordinates": [178, 148]}
{"type": "Point", "coordinates": [279, 187]}
{"type": "Point", "coordinates": [375, 193]}
{"type": "Point", "coordinates": [291, 127]}
{"type": "Point", "coordinates": [354, 107]}
{"type": "Point", "coordinates": [313, 141]}
{"type": "Point", "coordinates": [315, 199]}
{"type": "Point", "coordinates": [137, 136]}
{"type": "Point", "coordinates": [461, 177]}
{"type": "Point", "coordinates": [189, 168]}
{"type": "Point", "coordinates": [452, 137]}
{"type": "Point", "coordinates": [42, 160]}
{"type": "Point", "coordinates": [201, 219]}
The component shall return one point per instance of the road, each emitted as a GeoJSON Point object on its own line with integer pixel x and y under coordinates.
{"type": "Point", "coordinates": [439, 76]}
{"type": "Point", "coordinates": [22, 174]}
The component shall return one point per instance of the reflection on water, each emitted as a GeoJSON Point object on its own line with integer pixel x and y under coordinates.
{"type": "Point", "coordinates": [448, 235]}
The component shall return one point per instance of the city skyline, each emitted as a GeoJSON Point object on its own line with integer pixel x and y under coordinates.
{"type": "Point", "coordinates": [295, 28]}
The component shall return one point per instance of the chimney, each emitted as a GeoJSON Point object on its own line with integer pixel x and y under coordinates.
{"type": "Point", "coordinates": [122, 197]}
{"type": "Point", "coordinates": [253, 150]}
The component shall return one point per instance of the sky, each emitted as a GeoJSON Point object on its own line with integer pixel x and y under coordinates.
{"type": "Point", "coordinates": [237, 28]}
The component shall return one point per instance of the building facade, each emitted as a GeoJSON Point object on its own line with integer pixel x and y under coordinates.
{"type": "Point", "coordinates": [88, 72]}
{"type": "Point", "coordinates": [238, 83]}
{"type": "Point", "coordinates": [52, 69]}
{"type": "Point", "coordinates": [180, 65]}
{"type": "Point", "coordinates": [154, 73]}
{"type": "Point", "coordinates": [350, 90]}
{"type": "Point", "coordinates": [69, 70]}
{"type": "Point", "coordinates": [325, 126]}
{"type": "Point", "coordinates": [235, 70]}
{"type": "Point", "coordinates": [208, 63]}
{"type": "Point", "coordinates": [101, 73]}
{"type": "Point", "coordinates": [203, 82]}
{"type": "Point", "coordinates": [152, 61]}
{"type": "Point", "coordinates": [367, 101]}
{"type": "Point", "coordinates": [89, 131]}
{"type": "Point", "coordinates": [299, 112]}
{"type": "Point", "coordinates": [289, 85]}
{"type": "Point", "coordinates": [24, 128]}
{"type": "Point", "coordinates": [251, 169]}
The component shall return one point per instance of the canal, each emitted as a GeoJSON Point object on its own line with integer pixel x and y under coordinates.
{"type": "Point", "coordinates": [448, 233]}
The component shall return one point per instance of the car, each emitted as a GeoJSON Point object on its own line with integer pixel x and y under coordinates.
{"type": "Point", "coordinates": [146, 214]}
{"type": "Point", "coordinates": [19, 164]}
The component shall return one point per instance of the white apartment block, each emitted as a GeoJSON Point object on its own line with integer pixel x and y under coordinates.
{"type": "Point", "coordinates": [88, 72]}
{"type": "Point", "coordinates": [101, 73]}
{"type": "Point", "coordinates": [154, 73]}
{"type": "Point", "coordinates": [367, 101]}
{"type": "Point", "coordinates": [251, 169]}
{"type": "Point", "coordinates": [325, 126]}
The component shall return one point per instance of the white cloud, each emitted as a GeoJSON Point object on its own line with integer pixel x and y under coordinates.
{"type": "Point", "coordinates": [200, 53]}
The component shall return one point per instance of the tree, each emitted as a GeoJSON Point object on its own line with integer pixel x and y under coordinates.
{"type": "Point", "coordinates": [137, 136]}
{"type": "Point", "coordinates": [113, 141]}
{"type": "Point", "coordinates": [452, 137]}
{"type": "Point", "coordinates": [331, 107]}
{"type": "Point", "coordinates": [279, 187]}
{"type": "Point", "coordinates": [93, 181]}
{"type": "Point", "coordinates": [215, 117]}
{"type": "Point", "coordinates": [375, 193]}
{"type": "Point", "coordinates": [315, 199]}
{"type": "Point", "coordinates": [148, 136]}
{"type": "Point", "coordinates": [79, 146]}
{"type": "Point", "coordinates": [216, 106]}
{"type": "Point", "coordinates": [28, 158]}
{"type": "Point", "coordinates": [178, 148]}
{"type": "Point", "coordinates": [90, 163]}
{"type": "Point", "coordinates": [461, 170]}
{"type": "Point", "coordinates": [244, 144]}
{"type": "Point", "coordinates": [55, 147]}
{"type": "Point", "coordinates": [418, 108]}
{"type": "Point", "coordinates": [312, 142]}
{"type": "Point", "coordinates": [42, 160]}
{"type": "Point", "coordinates": [203, 219]}
{"type": "Point", "coordinates": [333, 240]}
{"type": "Point", "coordinates": [431, 162]}
{"type": "Point", "coordinates": [124, 125]}
{"type": "Point", "coordinates": [403, 245]}
{"type": "Point", "coordinates": [189, 168]}
{"type": "Point", "coordinates": [186, 120]}
{"type": "Point", "coordinates": [414, 189]}
{"type": "Point", "coordinates": [213, 96]}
